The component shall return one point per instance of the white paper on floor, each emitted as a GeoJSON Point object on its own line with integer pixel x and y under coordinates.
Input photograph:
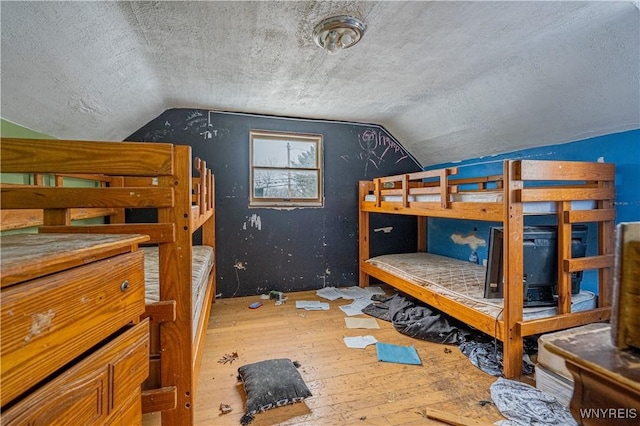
{"type": "Point", "coordinates": [361, 322]}
{"type": "Point", "coordinates": [356, 307]}
{"type": "Point", "coordinates": [329, 293]}
{"type": "Point", "coordinates": [312, 305]}
{"type": "Point", "coordinates": [359, 342]}
{"type": "Point", "coordinates": [333, 293]}
{"type": "Point", "coordinates": [352, 293]}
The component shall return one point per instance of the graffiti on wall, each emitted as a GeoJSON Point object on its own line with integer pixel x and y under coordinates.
{"type": "Point", "coordinates": [378, 147]}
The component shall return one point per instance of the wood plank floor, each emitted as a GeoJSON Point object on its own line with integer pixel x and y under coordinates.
{"type": "Point", "coordinates": [349, 386]}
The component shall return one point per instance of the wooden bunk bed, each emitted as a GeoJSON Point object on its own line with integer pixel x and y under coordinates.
{"type": "Point", "coordinates": [574, 192]}
{"type": "Point", "coordinates": [131, 175]}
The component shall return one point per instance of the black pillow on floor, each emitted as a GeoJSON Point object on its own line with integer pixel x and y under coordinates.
{"type": "Point", "coordinates": [269, 384]}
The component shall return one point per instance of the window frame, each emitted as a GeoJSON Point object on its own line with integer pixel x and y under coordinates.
{"type": "Point", "coordinates": [279, 136]}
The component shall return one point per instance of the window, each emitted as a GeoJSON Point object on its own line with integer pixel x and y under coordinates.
{"type": "Point", "coordinates": [286, 169]}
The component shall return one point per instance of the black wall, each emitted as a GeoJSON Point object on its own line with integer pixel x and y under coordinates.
{"type": "Point", "coordinates": [264, 249]}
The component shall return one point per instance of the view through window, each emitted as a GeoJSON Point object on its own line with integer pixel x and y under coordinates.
{"type": "Point", "coordinates": [286, 169]}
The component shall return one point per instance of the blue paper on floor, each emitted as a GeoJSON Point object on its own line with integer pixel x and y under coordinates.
{"type": "Point", "coordinates": [397, 354]}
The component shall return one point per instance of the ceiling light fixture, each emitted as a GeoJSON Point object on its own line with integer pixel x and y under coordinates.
{"type": "Point", "coordinates": [339, 32]}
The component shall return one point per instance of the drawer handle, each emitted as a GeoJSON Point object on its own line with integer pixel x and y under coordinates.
{"type": "Point", "coordinates": [124, 286]}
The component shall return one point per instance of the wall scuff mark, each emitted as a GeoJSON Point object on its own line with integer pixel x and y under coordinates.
{"type": "Point", "coordinates": [254, 221]}
{"type": "Point", "coordinates": [238, 266]}
{"type": "Point", "coordinates": [386, 229]}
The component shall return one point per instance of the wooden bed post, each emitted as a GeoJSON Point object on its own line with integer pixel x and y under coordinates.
{"type": "Point", "coordinates": [119, 216]}
{"type": "Point", "coordinates": [513, 270]}
{"type": "Point", "coordinates": [564, 252]}
{"type": "Point", "coordinates": [209, 239]}
{"type": "Point", "coordinates": [209, 227]}
{"type": "Point", "coordinates": [363, 234]}
{"type": "Point", "coordinates": [606, 244]}
{"type": "Point", "coordinates": [422, 234]}
{"type": "Point", "coordinates": [176, 360]}
{"type": "Point", "coordinates": [53, 217]}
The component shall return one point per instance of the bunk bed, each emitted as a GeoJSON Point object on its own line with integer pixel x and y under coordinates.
{"type": "Point", "coordinates": [70, 180]}
{"type": "Point", "coordinates": [572, 192]}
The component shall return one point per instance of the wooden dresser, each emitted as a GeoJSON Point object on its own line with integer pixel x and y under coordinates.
{"type": "Point", "coordinates": [607, 379]}
{"type": "Point", "coordinates": [73, 348]}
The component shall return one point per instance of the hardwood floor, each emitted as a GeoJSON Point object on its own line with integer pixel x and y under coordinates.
{"type": "Point", "coordinates": [349, 386]}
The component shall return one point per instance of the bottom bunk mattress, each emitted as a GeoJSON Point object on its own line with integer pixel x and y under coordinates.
{"type": "Point", "coordinates": [463, 282]}
{"type": "Point", "coordinates": [202, 262]}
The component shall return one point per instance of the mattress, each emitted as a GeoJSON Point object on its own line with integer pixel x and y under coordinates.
{"type": "Point", "coordinates": [463, 282]}
{"type": "Point", "coordinates": [555, 363]}
{"type": "Point", "coordinates": [553, 384]}
{"type": "Point", "coordinates": [486, 197]}
{"type": "Point", "coordinates": [201, 267]}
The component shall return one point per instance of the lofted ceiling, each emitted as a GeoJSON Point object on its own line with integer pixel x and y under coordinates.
{"type": "Point", "coordinates": [450, 80]}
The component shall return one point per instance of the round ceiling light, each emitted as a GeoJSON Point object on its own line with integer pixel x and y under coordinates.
{"type": "Point", "coordinates": [339, 32]}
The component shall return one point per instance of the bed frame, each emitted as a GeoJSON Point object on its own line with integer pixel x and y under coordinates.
{"type": "Point", "coordinates": [522, 181]}
{"type": "Point", "coordinates": [129, 175]}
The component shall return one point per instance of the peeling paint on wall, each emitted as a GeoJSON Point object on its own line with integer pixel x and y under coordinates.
{"type": "Point", "coordinates": [471, 240]}
{"type": "Point", "coordinates": [254, 221]}
{"type": "Point", "coordinates": [386, 229]}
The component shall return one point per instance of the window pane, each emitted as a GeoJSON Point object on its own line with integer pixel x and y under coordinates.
{"type": "Point", "coordinates": [304, 184]}
{"type": "Point", "coordinates": [281, 153]}
{"type": "Point", "coordinates": [269, 183]}
{"type": "Point", "coordinates": [286, 169]}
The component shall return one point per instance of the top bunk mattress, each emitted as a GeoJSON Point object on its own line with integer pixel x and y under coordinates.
{"type": "Point", "coordinates": [486, 197]}
{"type": "Point", "coordinates": [463, 282]}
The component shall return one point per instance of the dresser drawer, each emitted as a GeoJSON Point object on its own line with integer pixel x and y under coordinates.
{"type": "Point", "coordinates": [49, 321]}
{"type": "Point", "coordinates": [130, 413]}
{"type": "Point", "coordinates": [102, 388]}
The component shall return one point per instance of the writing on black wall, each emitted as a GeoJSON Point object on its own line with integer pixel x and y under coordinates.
{"type": "Point", "coordinates": [264, 249]}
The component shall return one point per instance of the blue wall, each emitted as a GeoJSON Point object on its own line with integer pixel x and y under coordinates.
{"type": "Point", "coordinates": [623, 149]}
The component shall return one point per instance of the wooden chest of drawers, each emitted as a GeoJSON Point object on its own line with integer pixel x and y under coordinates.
{"type": "Point", "coordinates": [625, 315]}
{"type": "Point", "coordinates": [607, 379]}
{"type": "Point", "coordinates": [72, 344]}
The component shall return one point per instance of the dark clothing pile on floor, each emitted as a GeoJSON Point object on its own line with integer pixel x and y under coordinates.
{"type": "Point", "coordinates": [415, 319]}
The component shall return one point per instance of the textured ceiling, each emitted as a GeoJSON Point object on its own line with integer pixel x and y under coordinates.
{"type": "Point", "coordinates": [450, 80]}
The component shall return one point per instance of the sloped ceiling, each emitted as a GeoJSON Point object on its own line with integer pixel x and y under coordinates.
{"type": "Point", "coordinates": [450, 80]}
